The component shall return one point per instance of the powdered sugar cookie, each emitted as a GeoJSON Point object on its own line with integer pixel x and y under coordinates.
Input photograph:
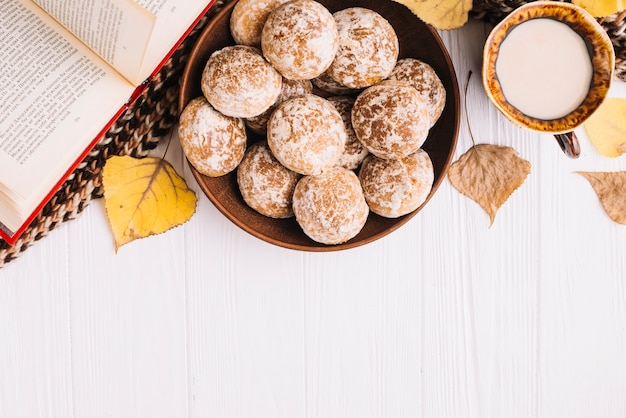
{"type": "Point", "coordinates": [265, 184]}
{"type": "Point", "coordinates": [424, 78]}
{"type": "Point", "coordinates": [330, 207]}
{"type": "Point", "coordinates": [290, 89]}
{"type": "Point", "coordinates": [354, 152]}
{"type": "Point", "coordinates": [212, 142]}
{"type": "Point", "coordinates": [391, 119]}
{"type": "Point", "coordinates": [393, 188]}
{"type": "Point", "coordinates": [247, 20]}
{"type": "Point", "coordinates": [368, 48]}
{"type": "Point", "coordinates": [239, 82]}
{"type": "Point", "coordinates": [306, 134]}
{"type": "Point", "coordinates": [326, 83]}
{"type": "Point", "coordinates": [300, 39]}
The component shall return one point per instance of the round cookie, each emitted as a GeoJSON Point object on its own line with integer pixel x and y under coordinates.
{"type": "Point", "coordinates": [424, 78]}
{"type": "Point", "coordinates": [306, 134]}
{"type": "Point", "coordinates": [239, 82]}
{"type": "Point", "coordinates": [326, 83]}
{"type": "Point", "coordinates": [391, 119]}
{"type": "Point", "coordinates": [368, 48]}
{"type": "Point", "coordinates": [393, 188]}
{"type": "Point", "coordinates": [290, 89]}
{"type": "Point", "coordinates": [354, 152]}
{"type": "Point", "coordinates": [330, 207]}
{"type": "Point", "coordinates": [247, 20]}
{"type": "Point", "coordinates": [265, 184]}
{"type": "Point", "coordinates": [212, 142]}
{"type": "Point", "coordinates": [300, 39]}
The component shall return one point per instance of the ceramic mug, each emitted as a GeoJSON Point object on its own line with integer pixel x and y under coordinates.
{"type": "Point", "coordinates": [547, 67]}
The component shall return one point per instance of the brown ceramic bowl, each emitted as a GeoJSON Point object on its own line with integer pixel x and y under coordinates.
{"type": "Point", "coordinates": [417, 40]}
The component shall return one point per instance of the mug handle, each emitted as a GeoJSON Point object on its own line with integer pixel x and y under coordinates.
{"type": "Point", "coordinates": [569, 144]}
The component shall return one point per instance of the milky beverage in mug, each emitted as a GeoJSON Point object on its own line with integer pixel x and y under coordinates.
{"type": "Point", "coordinates": [547, 67]}
{"type": "Point", "coordinates": [544, 68]}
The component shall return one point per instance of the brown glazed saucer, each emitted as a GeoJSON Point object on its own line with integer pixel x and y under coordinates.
{"type": "Point", "coordinates": [417, 40]}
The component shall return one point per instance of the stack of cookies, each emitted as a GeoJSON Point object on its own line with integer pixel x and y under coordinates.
{"type": "Point", "coordinates": [341, 119]}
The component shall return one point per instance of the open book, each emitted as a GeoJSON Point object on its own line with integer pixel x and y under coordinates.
{"type": "Point", "coordinates": [70, 68]}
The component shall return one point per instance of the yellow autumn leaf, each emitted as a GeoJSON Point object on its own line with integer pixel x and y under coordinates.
{"type": "Point", "coordinates": [606, 128]}
{"type": "Point", "coordinates": [611, 190]}
{"type": "Point", "coordinates": [144, 197]}
{"type": "Point", "coordinates": [600, 8]}
{"type": "Point", "coordinates": [442, 14]}
{"type": "Point", "coordinates": [488, 174]}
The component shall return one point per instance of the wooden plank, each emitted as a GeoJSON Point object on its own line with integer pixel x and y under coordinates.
{"type": "Point", "coordinates": [244, 321]}
{"type": "Point", "coordinates": [35, 335]}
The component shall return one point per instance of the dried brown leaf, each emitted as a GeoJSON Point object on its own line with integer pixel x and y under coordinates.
{"type": "Point", "coordinates": [488, 174]}
{"type": "Point", "coordinates": [611, 189]}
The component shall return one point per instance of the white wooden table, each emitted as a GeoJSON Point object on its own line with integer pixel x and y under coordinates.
{"type": "Point", "coordinates": [445, 318]}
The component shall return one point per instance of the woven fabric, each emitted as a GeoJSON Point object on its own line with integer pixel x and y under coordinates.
{"type": "Point", "coordinates": [495, 10]}
{"type": "Point", "coordinates": [615, 25]}
{"type": "Point", "coordinates": [150, 118]}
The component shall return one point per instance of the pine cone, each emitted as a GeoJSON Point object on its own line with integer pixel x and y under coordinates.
{"type": "Point", "coordinates": [615, 26]}
{"type": "Point", "coordinates": [495, 10]}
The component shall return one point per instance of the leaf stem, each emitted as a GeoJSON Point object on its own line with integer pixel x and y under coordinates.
{"type": "Point", "coordinates": [167, 146]}
{"type": "Point", "coordinates": [469, 127]}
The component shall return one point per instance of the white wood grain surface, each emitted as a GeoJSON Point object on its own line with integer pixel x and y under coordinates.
{"type": "Point", "coordinates": [446, 317]}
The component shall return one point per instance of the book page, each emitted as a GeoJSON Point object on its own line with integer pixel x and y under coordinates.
{"type": "Point", "coordinates": [117, 30]}
{"type": "Point", "coordinates": [174, 18]}
{"type": "Point", "coordinates": [57, 96]}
